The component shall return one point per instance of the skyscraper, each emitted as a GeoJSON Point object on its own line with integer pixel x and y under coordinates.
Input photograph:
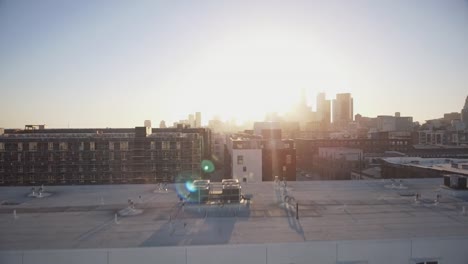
{"type": "Point", "coordinates": [342, 109]}
{"type": "Point", "coordinates": [191, 120]}
{"type": "Point", "coordinates": [197, 119]}
{"type": "Point", "coordinates": [323, 110]}
{"type": "Point", "coordinates": [464, 113]}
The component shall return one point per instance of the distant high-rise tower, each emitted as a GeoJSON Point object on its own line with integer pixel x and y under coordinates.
{"type": "Point", "coordinates": [147, 123]}
{"type": "Point", "coordinates": [303, 102]}
{"type": "Point", "coordinates": [197, 119]}
{"type": "Point", "coordinates": [323, 110]}
{"type": "Point", "coordinates": [464, 113]}
{"type": "Point", "coordinates": [342, 109]}
{"type": "Point", "coordinates": [162, 124]}
{"type": "Point", "coordinates": [191, 120]}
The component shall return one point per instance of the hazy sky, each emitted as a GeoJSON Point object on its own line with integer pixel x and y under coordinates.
{"type": "Point", "coordinates": [117, 63]}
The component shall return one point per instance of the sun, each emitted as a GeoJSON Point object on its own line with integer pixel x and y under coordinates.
{"type": "Point", "coordinates": [247, 75]}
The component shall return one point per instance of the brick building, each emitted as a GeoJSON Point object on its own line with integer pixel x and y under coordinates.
{"type": "Point", "coordinates": [94, 156]}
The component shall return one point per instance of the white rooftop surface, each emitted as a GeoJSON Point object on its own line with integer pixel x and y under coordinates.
{"type": "Point", "coordinates": [83, 216]}
{"type": "Point", "coordinates": [433, 163]}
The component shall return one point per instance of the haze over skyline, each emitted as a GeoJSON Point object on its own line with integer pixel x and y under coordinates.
{"type": "Point", "coordinates": [117, 63]}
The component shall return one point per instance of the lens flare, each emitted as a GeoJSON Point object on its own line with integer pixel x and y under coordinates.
{"type": "Point", "coordinates": [207, 166]}
{"type": "Point", "coordinates": [190, 187]}
{"type": "Point", "coordinates": [184, 185]}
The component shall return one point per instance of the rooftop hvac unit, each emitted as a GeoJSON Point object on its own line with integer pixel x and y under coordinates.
{"type": "Point", "coordinates": [458, 182]}
{"type": "Point", "coordinates": [231, 191]}
{"type": "Point", "coordinates": [447, 180]}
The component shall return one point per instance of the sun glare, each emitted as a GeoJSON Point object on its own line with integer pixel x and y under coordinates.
{"type": "Point", "coordinates": [259, 72]}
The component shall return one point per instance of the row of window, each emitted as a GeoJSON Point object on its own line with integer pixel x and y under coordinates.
{"type": "Point", "coordinates": [123, 145]}
{"type": "Point", "coordinates": [111, 156]}
{"type": "Point", "coordinates": [240, 159]}
{"type": "Point", "coordinates": [33, 146]}
{"type": "Point", "coordinates": [350, 143]}
{"type": "Point", "coordinates": [123, 167]}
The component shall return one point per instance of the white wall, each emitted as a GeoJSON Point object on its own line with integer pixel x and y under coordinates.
{"type": "Point", "coordinates": [252, 162]}
{"type": "Point", "coordinates": [394, 251]}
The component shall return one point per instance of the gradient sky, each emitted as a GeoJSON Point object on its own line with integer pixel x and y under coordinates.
{"type": "Point", "coordinates": [117, 63]}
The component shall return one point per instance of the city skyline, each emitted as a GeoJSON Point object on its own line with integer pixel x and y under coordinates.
{"type": "Point", "coordinates": [90, 64]}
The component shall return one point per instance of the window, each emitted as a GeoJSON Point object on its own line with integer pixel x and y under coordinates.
{"type": "Point", "coordinates": [20, 168]}
{"type": "Point", "coordinates": [153, 145]}
{"type": "Point", "coordinates": [2, 146]}
{"type": "Point", "coordinates": [63, 146]}
{"type": "Point", "coordinates": [81, 147]}
{"type": "Point", "coordinates": [288, 159]}
{"type": "Point", "coordinates": [165, 145]}
{"type": "Point", "coordinates": [50, 146]}
{"type": "Point", "coordinates": [124, 167]}
{"type": "Point", "coordinates": [178, 145]}
{"type": "Point", "coordinates": [19, 157]}
{"type": "Point", "coordinates": [111, 145]}
{"type": "Point", "coordinates": [152, 155]}
{"type": "Point", "coordinates": [123, 156]}
{"type": "Point", "coordinates": [92, 146]}
{"type": "Point", "coordinates": [32, 146]}
{"type": "Point", "coordinates": [245, 169]}
{"type": "Point", "coordinates": [2, 157]}
{"type": "Point", "coordinates": [49, 168]}
{"type": "Point", "coordinates": [80, 169]}
{"type": "Point", "coordinates": [124, 145]}
{"type": "Point", "coordinates": [240, 159]}
{"type": "Point", "coordinates": [80, 156]}
{"type": "Point", "coordinates": [20, 146]}
{"type": "Point", "coordinates": [62, 156]}
{"type": "Point", "coordinates": [111, 156]}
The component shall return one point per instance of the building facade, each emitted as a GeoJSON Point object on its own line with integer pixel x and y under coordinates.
{"type": "Point", "coordinates": [323, 111]}
{"type": "Point", "coordinates": [94, 156]}
{"type": "Point", "coordinates": [261, 158]}
{"type": "Point", "coordinates": [343, 109]}
{"type": "Point", "coordinates": [308, 149]}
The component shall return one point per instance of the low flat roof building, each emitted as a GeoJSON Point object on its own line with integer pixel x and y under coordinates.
{"type": "Point", "coordinates": [368, 221]}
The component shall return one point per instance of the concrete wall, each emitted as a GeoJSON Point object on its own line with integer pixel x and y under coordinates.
{"type": "Point", "coordinates": [252, 162]}
{"type": "Point", "coordinates": [410, 251]}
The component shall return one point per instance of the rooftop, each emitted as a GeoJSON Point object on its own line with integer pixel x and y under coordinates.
{"type": "Point", "coordinates": [440, 164]}
{"type": "Point", "coordinates": [68, 217]}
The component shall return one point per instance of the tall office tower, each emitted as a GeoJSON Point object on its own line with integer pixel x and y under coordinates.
{"type": "Point", "coordinates": [162, 124]}
{"type": "Point", "coordinates": [197, 119]}
{"type": "Point", "coordinates": [191, 120]}
{"type": "Point", "coordinates": [464, 113]}
{"type": "Point", "coordinates": [323, 110]}
{"type": "Point", "coordinates": [342, 109]}
{"type": "Point", "coordinates": [147, 123]}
